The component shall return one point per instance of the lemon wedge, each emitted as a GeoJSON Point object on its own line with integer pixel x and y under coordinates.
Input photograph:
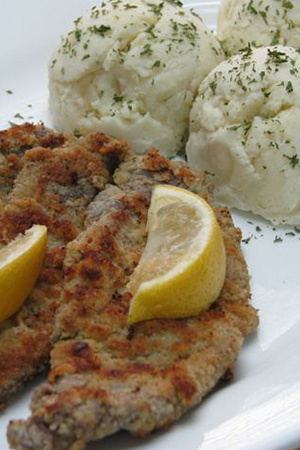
{"type": "Point", "coordinates": [182, 269]}
{"type": "Point", "coordinates": [20, 265]}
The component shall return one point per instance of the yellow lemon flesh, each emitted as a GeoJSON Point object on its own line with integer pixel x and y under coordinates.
{"type": "Point", "coordinates": [182, 269]}
{"type": "Point", "coordinates": [20, 265]}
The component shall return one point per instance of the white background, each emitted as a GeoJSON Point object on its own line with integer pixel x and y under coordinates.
{"type": "Point", "coordinates": [260, 409]}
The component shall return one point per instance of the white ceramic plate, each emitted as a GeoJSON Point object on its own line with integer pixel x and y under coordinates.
{"type": "Point", "coordinates": [260, 409]}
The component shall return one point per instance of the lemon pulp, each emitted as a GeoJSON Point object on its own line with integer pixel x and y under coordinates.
{"type": "Point", "coordinates": [20, 265]}
{"type": "Point", "coordinates": [182, 269]}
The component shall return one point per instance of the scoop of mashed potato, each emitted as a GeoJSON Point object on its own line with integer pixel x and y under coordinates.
{"type": "Point", "coordinates": [244, 130]}
{"type": "Point", "coordinates": [259, 23]}
{"type": "Point", "coordinates": [132, 69]}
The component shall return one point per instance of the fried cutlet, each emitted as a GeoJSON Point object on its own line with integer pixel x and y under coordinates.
{"type": "Point", "coordinates": [106, 376]}
{"type": "Point", "coordinates": [13, 144]}
{"type": "Point", "coordinates": [54, 188]}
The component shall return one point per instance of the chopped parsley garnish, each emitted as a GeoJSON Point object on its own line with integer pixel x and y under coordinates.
{"type": "Point", "coordinates": [76, 22]}
{"type": "Point", "coordinates": [246, 125]}
{"type": "Point", "coordinates": [156, 9]}
{"type": "Point", "coordinates": [277, 239]}
{"type": "Point", "coordinates": [175, 3]}
{"type": "Point", "coordinates": [288, 5]}
{"type": "Point", "coordinates": [264, 16]}
{"type": "Point", "coordinates": [294, 160]}
{"type": "Point", "coordinates": [213, 85]}
{"type": "Point", "coordinates": [247, 51]}
{"type": "Point", "coordinates": [18, 116]}
{"type": "Point", "coordinates": [146, 50]}
{"type": "Point", "coordinates": [102, 29]}
{"type": "Point", "coordinates": [128, 6]}
{"type": "Point", "coordinates": [247, 240]}
{"type": "Point", "coordinates": [77, 133]}
{"type": "Point", "coordinates": [9, 91]}
{"type": "Point", "coordinates": [157, 63]}
{"type": "Point", "coordinates": [251, 8]}
{"type": "Point", "coordinates": [276, 37]}
{"type": "Point", "coordinates": [150, 31]}
{"type": "Point", "coordinates": [77, 34]}
{"type": "Point", "coordinates": [118, 98]}
{"type": "Point", "coordinates": [277, 57]}
{"type": "Point", "coordinates": [262, 75]}
{"type": "Point", "coordinates": [289, 87]}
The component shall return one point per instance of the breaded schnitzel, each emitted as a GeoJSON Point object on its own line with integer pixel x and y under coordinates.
{"type": "Point", "coordinates": [54, 188]}
{"type": "Point", "coordinates": [106, 376]}
{"type": "Point", "coordinates": [13, 144]}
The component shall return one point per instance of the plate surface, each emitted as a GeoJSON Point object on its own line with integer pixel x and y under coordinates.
{"type": "Point", "coordinates": [260, 409]}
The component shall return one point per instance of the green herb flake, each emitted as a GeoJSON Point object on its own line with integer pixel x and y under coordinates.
{"type": "Point", "coordinates": [77, 133]}
{"type": "Point", "coordinates": [247, 240]}
{"type": "Point", "coordinates": [251, 8]}
{"type": "Point", "coordinates": [9, 91]}
{"type": "Point", "coordinates": [277, 239]}
{"type": "Point", "coordinates": [277, 57]}
{"type": "Point", "coordinates": [175, 3]}
{"type": "Point", "coordinates": [288, 5]}
{"type": "Point", "coordinates": [128, 6]}
{"type": "Point", "coordinates": [263, 14]}
{"type": "Point", "coordinates": [77, 34]}
{"type": "Point", "coordinates": [102, 29]}
{"type": "Point", "coordinates": [213, 85]}
{"type": "Point", "coordinates": [294, 160]}
{"type": "Point", "coordinates": [146, 50]}
{"type": "Point", "coordinates": [156, 9]}
{"type": "Point", "coordinates": [150, 31]}
{"type": "Point", "coordinates": [246, 52]}
{"type": "Point", "coordinates": [76, 22]}
{"type": "Point", "coordinates": [118, 98]}
{"type": "Point", "coordinates": [289, 87]}
{"type": "Point", "coordinates": [18, 116]}
{"type": "Point", "coordinates": [276, 37]}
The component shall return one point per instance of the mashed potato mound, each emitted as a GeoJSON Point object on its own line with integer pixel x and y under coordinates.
{"type": "Point", "coordinates": [132, 69]}
{"type": "Point", "coordinates": [244, 129]}
{"type": "Point", "coordinates": [259, 23]}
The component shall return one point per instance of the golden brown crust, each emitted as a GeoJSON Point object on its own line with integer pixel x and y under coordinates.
{"type": "Point", "coordinates": [13, 144]}
{"type": "Point", "coordinates": [54, 188]}
{"type": "Point", "coordinates": [106, 376]}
